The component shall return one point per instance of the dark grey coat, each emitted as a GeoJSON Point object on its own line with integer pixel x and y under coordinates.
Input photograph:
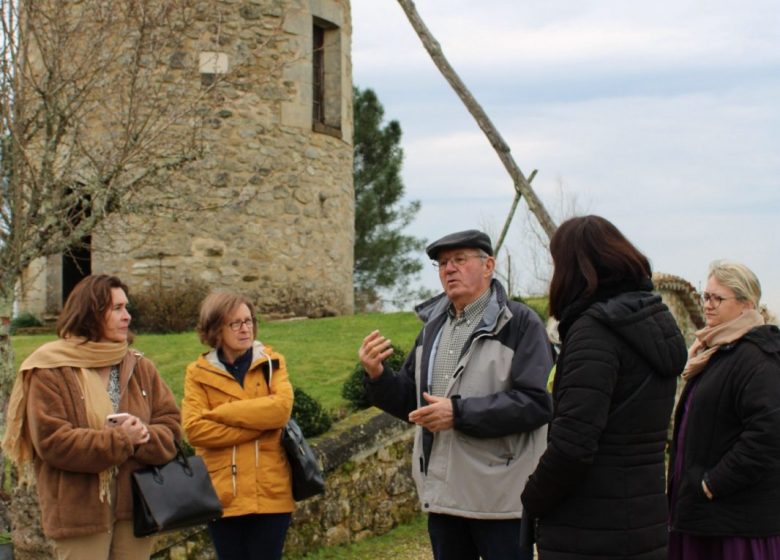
{"type": "Point", "coordinates": [500, 405]}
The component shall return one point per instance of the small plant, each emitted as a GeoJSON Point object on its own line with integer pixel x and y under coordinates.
{"type": "Point", "coordinates": [24, 320]}
{"type": "Point", "coordinates": [539, 304]}
{"type": "Point", "coordinates": [309, 414]}
{"type": "Point", "coordinates": [353, 389]}
{"type": "Point", "coordinates": [5, 537]}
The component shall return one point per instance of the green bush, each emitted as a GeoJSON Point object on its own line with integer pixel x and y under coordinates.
{"type": "Point", "coordinates": [353, 389]}
{"type": "Point", "coordinates": [167, 310]}
{"type": "Point", "coordinates": [537, 303]}
{"type": "Point", "coordinates": [309, 414]}
{"type": "Point", "coordinates": [23, 320]}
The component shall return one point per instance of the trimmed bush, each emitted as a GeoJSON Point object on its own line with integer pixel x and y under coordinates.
{"type": "Point", "coordinates": [353, 389]}
{"type": "Point", "coordinates": [24, 320]}
{"type": "Point", "coordinates": [309, 414]}
{"type": "Point", "coordinates": [538, 303]}
{"type": "Point", "coordinates": [167, 310]}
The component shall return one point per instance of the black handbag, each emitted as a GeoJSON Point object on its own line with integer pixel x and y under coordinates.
{"type": "Point", "coordinates": [176, 495]}
{"type": "Point", "coordinates": [307, 479]}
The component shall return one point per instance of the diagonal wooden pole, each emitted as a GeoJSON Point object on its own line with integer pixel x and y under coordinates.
{"type": "Point", "coordinates": [521, 184]}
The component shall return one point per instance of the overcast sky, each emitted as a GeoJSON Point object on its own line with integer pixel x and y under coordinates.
{"type": "Point", "coordinates": [663, 117]}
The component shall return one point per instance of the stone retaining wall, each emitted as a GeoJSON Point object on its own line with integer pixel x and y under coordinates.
{"type": "Point", "coordinates": [369, 490]}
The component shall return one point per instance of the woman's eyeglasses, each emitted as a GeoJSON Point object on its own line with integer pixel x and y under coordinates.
{"type": "Point", "coordinates": [714, 299]}
{"type": "Point", "coordinates": [235, 326]}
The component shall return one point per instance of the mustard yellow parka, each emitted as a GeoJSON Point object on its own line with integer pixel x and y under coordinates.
{"type": "Point", "coordinates": [237, 430]}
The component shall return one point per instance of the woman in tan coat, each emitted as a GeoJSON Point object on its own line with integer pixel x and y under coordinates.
{"type": "Point", "coordinates": [57, 423]}
{"type": "Point", "coordinates": [237, 398]}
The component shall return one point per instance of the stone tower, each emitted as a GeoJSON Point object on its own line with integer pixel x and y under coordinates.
{"type": "Point", "coordinates": [274, 178]}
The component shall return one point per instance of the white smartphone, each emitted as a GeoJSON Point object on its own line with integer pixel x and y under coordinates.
{"type": "Point", "coordinates": [113, 420]}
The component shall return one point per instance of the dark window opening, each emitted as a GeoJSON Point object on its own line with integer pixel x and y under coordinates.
{"type": "Point", "coordinates": [76, 265]}
{"type": "Point", "coordinates": [318, 79]}
{"type": "Point", "coordinates": [326, 77]}
{"type": "Point", "coordinates": [77, 259]}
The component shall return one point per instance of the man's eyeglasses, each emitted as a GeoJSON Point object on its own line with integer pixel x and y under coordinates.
{"type": "Point", "coordinates": [457, 260]}
{"type": "Point", "coordinates": [714, 299]}
{"type": "Point", "coordinates": [235, 326]}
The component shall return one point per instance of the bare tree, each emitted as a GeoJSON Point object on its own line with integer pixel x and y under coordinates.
{"type": "Point", "coordinates": [521, 184]}
{"type": "Point", "coordinates": [88, 124]}
{"type": "Point", "coordinates": [92, 122]}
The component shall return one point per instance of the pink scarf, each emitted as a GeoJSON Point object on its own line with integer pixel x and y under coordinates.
{"type": "Point", "coordinates": [709, 339]}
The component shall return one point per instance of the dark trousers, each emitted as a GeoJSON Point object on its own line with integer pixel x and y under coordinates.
{"type": "Point", "coordinates": [246, 537]}
{"type": "Point", "coordinates": [461, 538]}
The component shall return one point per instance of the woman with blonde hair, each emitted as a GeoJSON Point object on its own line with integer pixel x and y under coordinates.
{"type": "Point", "coordinates": [724, 468]}
{"type": "Point", "coordinates": [237, 399]}
{"type": "Point", "coordinates": [59, 422]}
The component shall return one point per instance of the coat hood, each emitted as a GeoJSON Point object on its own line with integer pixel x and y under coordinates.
{"type": "Point", "coordinates": [648, 327]}
{"type": "Point", "coordinates": [767, 338]}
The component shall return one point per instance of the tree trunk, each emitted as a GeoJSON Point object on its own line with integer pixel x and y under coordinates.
{"type": "Point", "coordinates": [521, 184]}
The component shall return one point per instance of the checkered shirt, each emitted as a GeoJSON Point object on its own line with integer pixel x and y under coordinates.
{"type": "Point", "coordinates": [454, 334]}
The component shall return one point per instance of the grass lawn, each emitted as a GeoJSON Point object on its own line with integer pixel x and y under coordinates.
{"type": "Point", "coordinates": [320, 353]}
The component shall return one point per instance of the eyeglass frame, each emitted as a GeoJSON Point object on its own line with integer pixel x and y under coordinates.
{"type": "Point", "coordinates": [441, 264]}
{"type": "Point", "coordinates": [715, 299]}
{"type": "Point", "coordinates": [235, 326]}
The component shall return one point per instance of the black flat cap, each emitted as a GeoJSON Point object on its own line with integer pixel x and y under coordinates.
{"type": "Point", "coordinates": [471, 238]}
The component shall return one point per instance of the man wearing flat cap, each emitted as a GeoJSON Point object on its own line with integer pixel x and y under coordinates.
{"type": "Point", "coordinates": [474, 384]}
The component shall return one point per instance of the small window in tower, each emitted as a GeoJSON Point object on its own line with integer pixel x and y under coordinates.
{"type": "Point", "coordinates": [326, 77]}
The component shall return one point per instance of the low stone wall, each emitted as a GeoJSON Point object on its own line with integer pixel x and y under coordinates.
{"type": "Point", "coordinates": [369, 490]}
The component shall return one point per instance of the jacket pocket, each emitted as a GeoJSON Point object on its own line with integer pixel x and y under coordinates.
{"type": "Point", "coordinates": [491, 452]}
{"type": "Point", "coordinates": [218, 463]}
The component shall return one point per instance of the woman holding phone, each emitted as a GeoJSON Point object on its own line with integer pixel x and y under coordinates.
{"type": "Point", "coordinates": [85, 411]}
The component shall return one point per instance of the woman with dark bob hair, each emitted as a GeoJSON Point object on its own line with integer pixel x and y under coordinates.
{"type": "Point", "coordinates": [86, 411]}
{"type": "Point", "coordinates": [598, 490]}
{"type": "Point", "coordinates": [237, 399]}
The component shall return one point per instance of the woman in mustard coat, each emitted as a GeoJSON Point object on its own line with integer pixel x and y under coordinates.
{"type": "Point", "coordinates": [237, 399]}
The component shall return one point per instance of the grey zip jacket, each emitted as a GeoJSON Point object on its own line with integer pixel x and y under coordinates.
{"type": "Point", "coordinates": [500, 404]}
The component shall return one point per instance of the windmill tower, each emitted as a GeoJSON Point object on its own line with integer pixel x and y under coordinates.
{"type": "Point", "coordinates": [272, 80]}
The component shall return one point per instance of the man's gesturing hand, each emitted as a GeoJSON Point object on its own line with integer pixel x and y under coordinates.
{"type": "Point", "coordinates": [436, 416]}
{"type": "Point", "coordinates": [374, 350]}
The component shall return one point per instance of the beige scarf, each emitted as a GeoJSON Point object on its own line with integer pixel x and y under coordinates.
{"type": "Point", "coordinates": [72, 352]}
{"type": "Point", "coordinates": [709, 339]}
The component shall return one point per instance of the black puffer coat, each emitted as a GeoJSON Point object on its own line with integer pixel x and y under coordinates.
{"type": "Point", "coordinates": [598, 491]}
{"type": "Point", "coordinates": [732, 438]}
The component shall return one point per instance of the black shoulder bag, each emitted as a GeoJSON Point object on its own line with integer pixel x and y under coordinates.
{"type": "Point", "coordinates": [175, 495]}
{"type": "Point", "coordinates": [307, 477]}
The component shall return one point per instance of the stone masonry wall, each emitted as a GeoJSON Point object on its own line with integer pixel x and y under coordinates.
{"type": "Point", "coordinates": [277, 218]}
{"type": "Point", "coordinates": [369, 490]}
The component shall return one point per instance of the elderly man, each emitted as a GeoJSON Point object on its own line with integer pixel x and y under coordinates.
{"type": "Point", "coordinates": [474, 384]}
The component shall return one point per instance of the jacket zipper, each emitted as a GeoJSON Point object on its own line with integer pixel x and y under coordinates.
{"type": "Point", "coordinates": [234, 472]}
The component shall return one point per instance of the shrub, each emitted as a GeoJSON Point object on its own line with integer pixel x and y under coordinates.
{"type": "Point", "coordinates": [353, 389]}
{"type": "Point", "coordinates": [537, 303]}
{"type": "Point", "coordinates": [24, 320]}
{"type": "Point", "coordinates": [309, 414]}
{"type": "Point", "coordinates": [167, 310]}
